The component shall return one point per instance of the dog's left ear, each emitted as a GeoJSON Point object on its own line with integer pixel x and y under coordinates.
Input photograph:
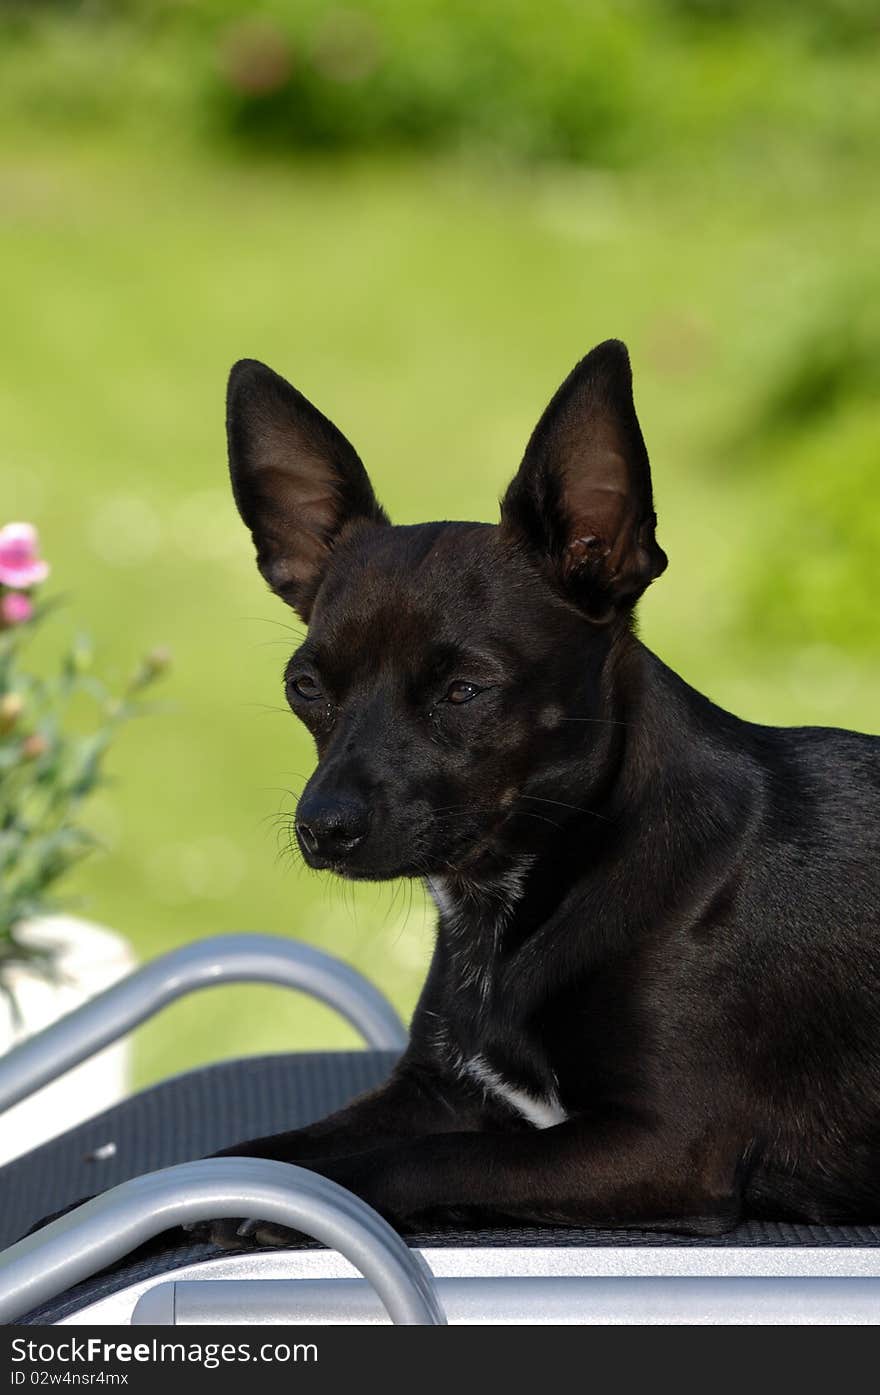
{"type": "Point", "coordinates": [581, 501]}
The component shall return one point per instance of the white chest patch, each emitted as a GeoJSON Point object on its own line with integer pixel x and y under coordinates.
{"type": "Point", "coordinates": [540, 1113]}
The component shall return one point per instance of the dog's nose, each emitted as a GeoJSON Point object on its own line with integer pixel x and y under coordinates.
{"type": "Point", "coordinates": [330, 829]}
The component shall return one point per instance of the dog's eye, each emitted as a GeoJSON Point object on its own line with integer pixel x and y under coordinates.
{"type": "Point", "coordinates": [305, 686]}
{"type": "Point", "coordinates": [461, 692]}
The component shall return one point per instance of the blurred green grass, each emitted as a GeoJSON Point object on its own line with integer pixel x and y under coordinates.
{"type": "Point", "coordinates": [614, 85]}
{"type": "Point", "coordinates": [430, 307]}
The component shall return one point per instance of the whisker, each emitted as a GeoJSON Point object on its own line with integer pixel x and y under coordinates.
{"type": "Point", "coordinates": [575, 808]}
{"type": "Point", "coordinates": [268, 707]}
{"type": "Point", "coordinates": [409, 887]}
{"type": "Point", "coordinates": [269, 620]}
{"type": "Point", "coordinates": [396, 889]}
{"type": "Point", "coordinates": [527, 814]}
{"type": "Point", "coordinates": [599, 721]}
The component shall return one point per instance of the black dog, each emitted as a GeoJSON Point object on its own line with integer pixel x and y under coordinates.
{"type": "Point", "coordinates": [655, 995]}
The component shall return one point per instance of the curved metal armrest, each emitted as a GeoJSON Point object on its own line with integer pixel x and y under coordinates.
{"type": "Point", "coordinates": [202, 964]}
{"type": "Point", "coordinates": [110, 1226]}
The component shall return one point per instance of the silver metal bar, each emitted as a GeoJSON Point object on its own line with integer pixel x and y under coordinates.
{"type": "Point", "coordinates": [519, 1300]}
{"type": "Point", "coordinates": [791, 1263]}
{"type": "Point", "coordinates": [109, 1226]}
{"type": "Point", "coordinates": [202, 964]}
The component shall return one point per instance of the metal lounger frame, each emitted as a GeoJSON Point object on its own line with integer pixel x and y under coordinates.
{"type": "Point", "coordinates": [576, 1284]}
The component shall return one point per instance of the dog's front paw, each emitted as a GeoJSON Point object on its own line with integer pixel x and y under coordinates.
{"type": "Point", "coordinates": [236, 1235]}
{"type": "Point", "coordinates": [268, 1235]}
{"type": "Point", "coordinates": [350, 1172]}
{"type": "Point", "coordinates": [224, 1234]}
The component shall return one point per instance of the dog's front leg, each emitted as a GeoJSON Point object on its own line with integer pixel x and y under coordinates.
{"type": "Point", "coordinates": [414, 1102]}
{"type": "Point", "coordinates": [578, 1173]}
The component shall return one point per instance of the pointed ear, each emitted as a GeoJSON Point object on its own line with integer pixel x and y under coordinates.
{"type": "Point", "coordinates": [581, 501]}
{"type": "Point", "coordinates": [296, 480]}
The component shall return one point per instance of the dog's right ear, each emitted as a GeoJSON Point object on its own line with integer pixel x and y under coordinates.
{"type": "Point", "coordinates": [297, 481]}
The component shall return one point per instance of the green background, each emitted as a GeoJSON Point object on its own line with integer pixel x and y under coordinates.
{"type": "Point", "coordinates": [422, 214]}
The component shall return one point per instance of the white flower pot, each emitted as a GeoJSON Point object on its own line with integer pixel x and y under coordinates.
{"type": "Point", "coordinates": [87, 959]}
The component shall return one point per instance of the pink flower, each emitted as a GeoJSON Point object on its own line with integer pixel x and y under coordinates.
{"type": "Point", "coordinates": [15, 608]}
{"type": "Point", "coordinates": [20, 562]}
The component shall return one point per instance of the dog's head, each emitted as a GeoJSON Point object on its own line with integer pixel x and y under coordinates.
{"type": "Point", "coordinates": [451, 670]}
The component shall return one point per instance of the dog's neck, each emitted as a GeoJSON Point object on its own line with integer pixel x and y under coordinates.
{"type": "Point", "coordinates": [473, 917]}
